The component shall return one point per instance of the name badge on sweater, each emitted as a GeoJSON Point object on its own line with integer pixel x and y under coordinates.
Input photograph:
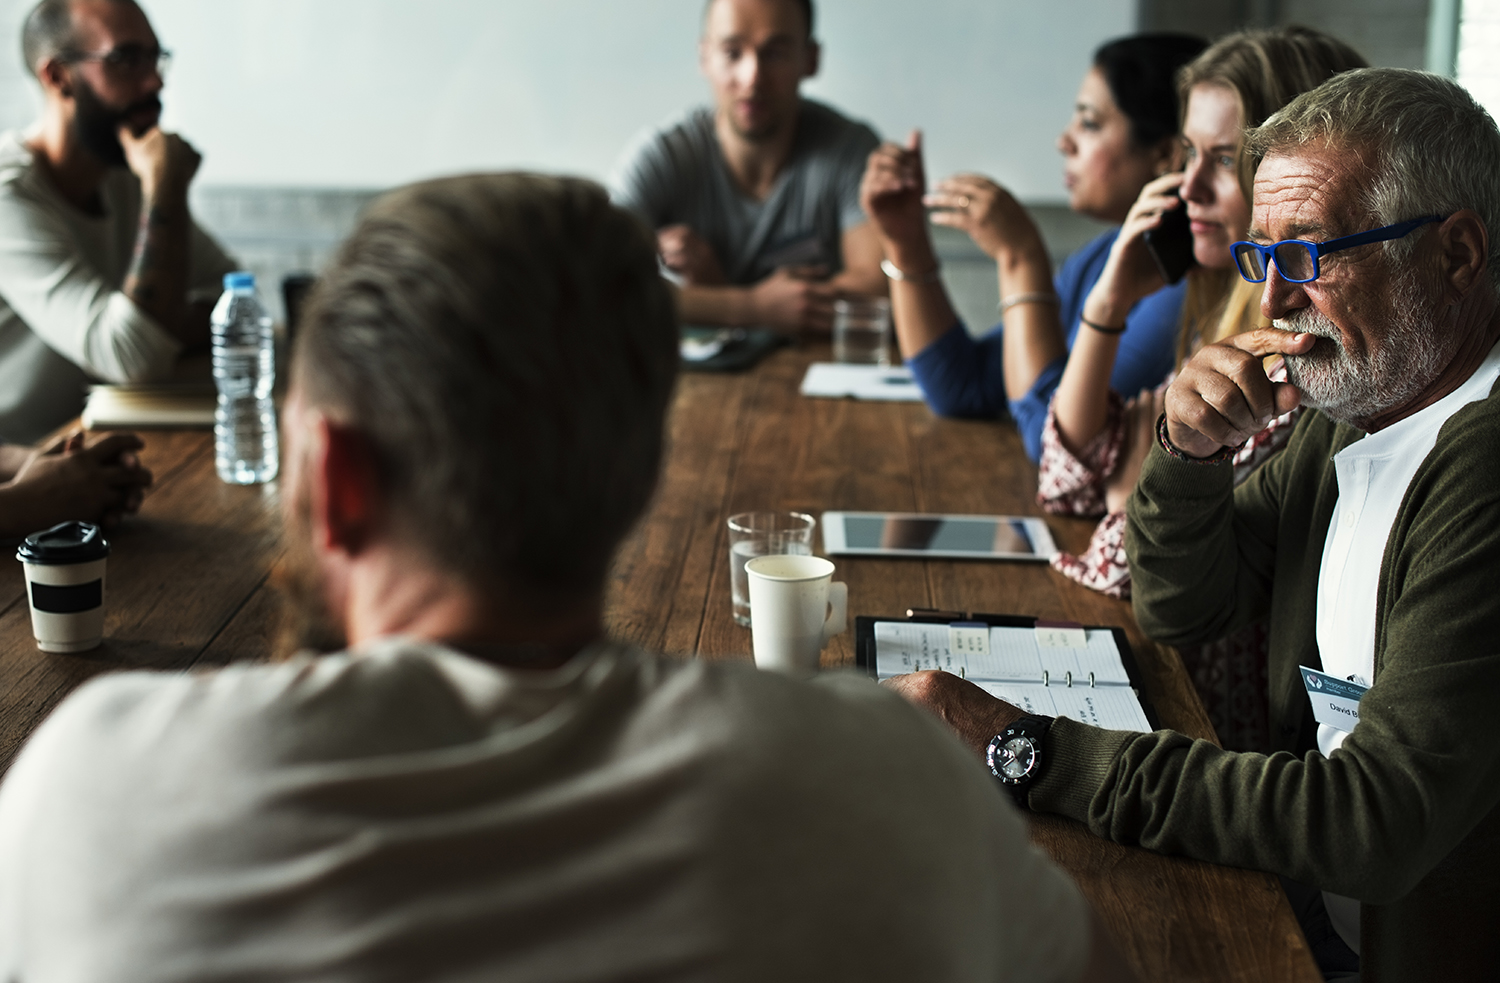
{"type": "Point", "coordinates": [1335, 701]}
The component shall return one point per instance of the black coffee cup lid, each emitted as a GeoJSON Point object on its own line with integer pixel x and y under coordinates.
{"type": "Point", "coordinates": [67, 542]}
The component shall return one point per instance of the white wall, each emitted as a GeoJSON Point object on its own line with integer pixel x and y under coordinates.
{"type": "Point", "coordinates": [351, 93]}
{"type": "Point", "coordinates": [1479, 52]}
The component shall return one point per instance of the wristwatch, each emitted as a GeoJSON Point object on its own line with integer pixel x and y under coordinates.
{"type": "Point", "coordinates": [1015, 756]}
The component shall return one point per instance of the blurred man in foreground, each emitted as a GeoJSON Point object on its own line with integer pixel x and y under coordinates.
{"type": "Point", "coordinates": [756, 199]}
{"type": "Point", "coordinates": [103, 274]}
{"type": "Point", "coordinates": [482, 785]}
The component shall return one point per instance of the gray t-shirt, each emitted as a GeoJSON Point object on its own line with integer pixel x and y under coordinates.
{"type": "Point", "coordinates": [64, 321]}
{"type": "Point", "coordinates": [408, 812]}
{"type": "Point", "coordinates": [677, 175]}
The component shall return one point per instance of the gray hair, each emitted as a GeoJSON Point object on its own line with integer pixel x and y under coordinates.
{"type": "Point", "coordinates": [48, 31]}
{"type": "Point", "coordinates": [1432, 150]}
{"type": "Point", "coordinates": [507, 347]}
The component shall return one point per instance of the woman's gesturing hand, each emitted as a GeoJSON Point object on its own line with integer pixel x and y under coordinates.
{"type": "Point", "coordinates": [987, 212]}
{"type": "Point", "coordinates": [891, 194]}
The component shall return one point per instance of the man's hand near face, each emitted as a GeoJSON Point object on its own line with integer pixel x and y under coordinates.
{"type": "Point", "coordinates": [164, 162]}
{"type": "Point", "coordinates": [1222, 397]}
{"type": "Point", "coordinates": [974, 715]}
{"type": "Point", "coordinates": [158, 276]}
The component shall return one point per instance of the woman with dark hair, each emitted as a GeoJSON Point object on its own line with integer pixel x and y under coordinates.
{"type": "Point", "coordinates": [1122, 135]}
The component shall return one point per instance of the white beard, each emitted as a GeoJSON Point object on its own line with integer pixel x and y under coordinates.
{"type": "Point", "coordinates": [1393, 370]}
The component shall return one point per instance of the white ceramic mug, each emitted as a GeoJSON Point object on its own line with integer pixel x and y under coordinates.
{"type": "Point", "coordinates": [795, 608]}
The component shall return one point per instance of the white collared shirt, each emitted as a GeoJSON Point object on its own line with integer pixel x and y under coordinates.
{"type": "Point", "coordinates": [1373, 475]}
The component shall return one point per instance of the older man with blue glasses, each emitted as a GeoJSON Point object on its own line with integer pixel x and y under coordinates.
{"type": "Point", "coordinates": [1372, 544]}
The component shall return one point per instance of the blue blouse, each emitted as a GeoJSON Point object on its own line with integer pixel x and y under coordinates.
{"type": "Point", "coordinates": [963, 376]}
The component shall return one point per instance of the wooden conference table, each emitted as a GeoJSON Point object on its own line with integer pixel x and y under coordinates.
{"type": "Point", "coordinates": [190, 585]}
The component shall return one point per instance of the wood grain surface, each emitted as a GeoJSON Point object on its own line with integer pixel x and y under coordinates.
{"type": "Point", "coordinates": [190, 583]}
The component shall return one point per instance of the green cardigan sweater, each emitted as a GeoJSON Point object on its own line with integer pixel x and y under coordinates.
{"type": "Point", "coordinates": [1404, 817]}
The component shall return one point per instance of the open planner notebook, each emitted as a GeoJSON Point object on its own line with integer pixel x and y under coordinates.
{"type": "Point", "coordinates": [1055, 670]}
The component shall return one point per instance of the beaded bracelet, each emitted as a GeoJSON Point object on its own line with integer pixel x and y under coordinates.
{"type": "Point", "coordinates": [1218, 457]}
{"type": "Point", "coordinates": [1102, 328]}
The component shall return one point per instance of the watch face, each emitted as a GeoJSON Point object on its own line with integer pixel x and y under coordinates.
{"type": "Point", "coordinates": [1012, 759]}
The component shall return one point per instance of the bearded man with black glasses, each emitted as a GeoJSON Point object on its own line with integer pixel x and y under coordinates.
{"type": "Point", "coordinates": [104, 276]}
{"type": "Point", "coordinates": [1372, 542]}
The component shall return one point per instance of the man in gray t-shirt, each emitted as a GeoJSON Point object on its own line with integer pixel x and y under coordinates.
{"type": "Point", "coordinates": [756, 200]}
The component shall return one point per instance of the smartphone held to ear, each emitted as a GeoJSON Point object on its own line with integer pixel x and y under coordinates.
{"type": "Point", "coordinates": [1171, 244]}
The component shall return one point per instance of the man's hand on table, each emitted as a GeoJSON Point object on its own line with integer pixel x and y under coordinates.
{"type": "Point", "coordinates": [98, 482]}
{"type": "Point", "coordinates": [1222, 397]}
{"type": "Point", "coordinates": [974, 715]}
{"type": "Point", "coordinates": [689, 255]}
{"type": "Point", "coordinates": [795, 299]}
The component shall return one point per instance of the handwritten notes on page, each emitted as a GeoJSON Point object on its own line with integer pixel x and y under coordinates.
{"type": "Point", "coordinates": [1088, 684]}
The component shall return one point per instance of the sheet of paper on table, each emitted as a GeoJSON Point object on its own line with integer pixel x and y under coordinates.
{"type": "Point", "coordinates": [835, 380]}
{"type": "Point", "coordinates": [170, 404]}
{"type": "Point", "coordinates": [1088, 684]}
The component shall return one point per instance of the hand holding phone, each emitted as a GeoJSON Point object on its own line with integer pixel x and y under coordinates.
{"type": "Point", "coordinates": [1171, 243]}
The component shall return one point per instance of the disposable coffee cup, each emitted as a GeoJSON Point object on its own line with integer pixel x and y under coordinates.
{"type": "Point", "coordinates": [65, 583]}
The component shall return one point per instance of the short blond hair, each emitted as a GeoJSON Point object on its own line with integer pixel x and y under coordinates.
{"type": "Point", "coordinates": [508, 348]}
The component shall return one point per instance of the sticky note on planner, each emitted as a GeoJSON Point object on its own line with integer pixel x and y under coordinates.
{"type": "Point", "coordinates": [969, 638]}
{"type": "Point", "coordinates": [1060, 635]}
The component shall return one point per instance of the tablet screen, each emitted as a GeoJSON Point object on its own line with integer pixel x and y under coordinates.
{"type": "Point", "coordinates": [937, 533]}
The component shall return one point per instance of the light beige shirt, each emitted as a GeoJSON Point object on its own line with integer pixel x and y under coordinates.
{"type": "Point", "coordinates": [63, 320]}
{"type": "Point", "coordinates": [411, 813]}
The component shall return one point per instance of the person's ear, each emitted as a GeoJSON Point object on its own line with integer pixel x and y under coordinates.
{"type": "Point", "coordinates": [814, 59]}
{"type": "Point", "coordinates": [1465, 246]}
{"type": "Point", "coordinates": [345, 493]}
{"type": "Point", "coordinates": [54, 75]}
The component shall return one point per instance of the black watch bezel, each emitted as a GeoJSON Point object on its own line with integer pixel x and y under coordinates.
{"type": "Point", "coordinates": [1032, 728]}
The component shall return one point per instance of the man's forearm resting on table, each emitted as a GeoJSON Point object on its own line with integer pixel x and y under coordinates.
{"type": "Point", "coordinates": [733, 306]}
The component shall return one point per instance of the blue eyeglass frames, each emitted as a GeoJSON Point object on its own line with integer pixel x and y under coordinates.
{"type": "Point", "coordinates": [1297, 259]}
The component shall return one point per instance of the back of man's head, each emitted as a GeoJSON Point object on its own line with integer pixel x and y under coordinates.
{"type": "Point", "coordinates": [1431, 149]}
{"type": "Point", "coordinates": [506, 346]}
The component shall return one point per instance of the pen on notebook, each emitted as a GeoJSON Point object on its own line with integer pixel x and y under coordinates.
{"type": "Point", "coordinates": [937, 613]}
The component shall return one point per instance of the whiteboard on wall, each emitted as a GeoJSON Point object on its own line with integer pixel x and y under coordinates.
{"type": "Point", "coordinates": [370, 93]}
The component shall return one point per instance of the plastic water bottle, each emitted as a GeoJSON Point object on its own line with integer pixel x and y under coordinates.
{"type": "Point", "coordinates": [245, 443]}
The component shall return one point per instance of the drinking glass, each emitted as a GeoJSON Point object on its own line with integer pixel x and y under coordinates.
{"type": "Point", "coordinates": [862, 330]}
{"type": "Point", "coordinates": [753, 534]}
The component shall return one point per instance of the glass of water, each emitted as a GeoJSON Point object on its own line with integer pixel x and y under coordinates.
{"type": "Point", "coordinates": [753, 534]}
{"type": "Point", "coordinates": [862, 330]}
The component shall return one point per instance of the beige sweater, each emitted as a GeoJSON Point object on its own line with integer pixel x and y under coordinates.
{"type": "Point", "coordinates": [410, 813]}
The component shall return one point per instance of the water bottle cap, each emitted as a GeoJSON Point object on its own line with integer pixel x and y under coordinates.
{"type": "Point", "coordinates": [240, 280]}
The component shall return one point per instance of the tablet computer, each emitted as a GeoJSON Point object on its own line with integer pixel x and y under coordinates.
{"type": "Point", "coordinates": [959, 537]}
